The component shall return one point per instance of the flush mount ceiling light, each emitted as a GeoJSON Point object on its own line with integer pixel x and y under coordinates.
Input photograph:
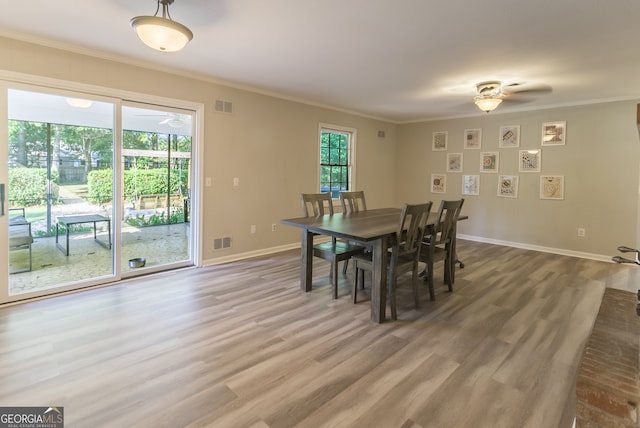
{"type": "Point", "coordinates": [162, 33]}
{"type": "Point", "coordinates": [489, 96]}
{"type": "Point", "coordinates": [79, 102]}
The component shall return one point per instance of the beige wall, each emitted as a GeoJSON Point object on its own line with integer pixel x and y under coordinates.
{"type": "Point", "coordinates": [599, 163]}
{"type": "Point", "coordinates": [270, 144]}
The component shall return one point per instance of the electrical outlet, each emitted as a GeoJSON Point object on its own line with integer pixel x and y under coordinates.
{"type": "Point", "coordinates": [273, 227]}
{"type": "Point", "coordinates": [582, 232]}
{"type": "Point", "coordinates": [253, 228]}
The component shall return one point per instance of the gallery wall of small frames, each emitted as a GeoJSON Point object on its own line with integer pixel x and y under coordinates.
{"type": "Point", "coordinates": [529, 161]}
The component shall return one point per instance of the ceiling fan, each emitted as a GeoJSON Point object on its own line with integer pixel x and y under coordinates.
{"type": "Point", "coordinates": [491, 93]}
{"type": "Point", "coordinates": [174, 120]}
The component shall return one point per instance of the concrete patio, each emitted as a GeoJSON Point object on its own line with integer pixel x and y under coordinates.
{"type": "Point", "coordinates": [158, 244]}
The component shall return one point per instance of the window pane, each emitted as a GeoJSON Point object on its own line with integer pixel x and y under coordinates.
{"type": "Point", "coordinates": [334, 162]}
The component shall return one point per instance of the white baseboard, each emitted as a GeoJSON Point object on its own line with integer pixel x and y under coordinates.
{"type": "Point", "coordinates": [559, 251]}
{"type": "Point", "coordinates": [249, 254]}
{"type": "Point", "coordinates": [292, 246]}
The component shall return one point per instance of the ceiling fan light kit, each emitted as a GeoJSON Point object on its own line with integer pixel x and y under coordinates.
{"type": "Point", "coordinates": [487, 104]}
{"type": "Point", "coordinates": [162, 33]}
{"type": "Point", "coordinates": [489, 96]}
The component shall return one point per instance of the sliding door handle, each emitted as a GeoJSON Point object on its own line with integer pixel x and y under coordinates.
{"type": "Point", "coordinates": [1, 199]}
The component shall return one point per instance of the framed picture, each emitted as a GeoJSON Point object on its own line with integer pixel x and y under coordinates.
{"type": "Point", "coordinates": [489, 161]}
{"type": "Point", "coordinates": [439, 141]}
{"type": "Point", "coordinates": [454, 162]}
{"type": "Point", "coordinates": [529, 161]}
{"type": "Point", "coordinates": [554, 133]}
{"type": "Point", "coordinates": [508, 186]}
{"type": "Point", "coordinates": [471, 185]}
{"type": "Point", "coordinates": [438, 183]}
{"type": "Point", "coordinates": [472, 138]}
{"type": "Point", "coordinates": [551, 187]}
{"type": "Point", "coordinates": [509, 136]}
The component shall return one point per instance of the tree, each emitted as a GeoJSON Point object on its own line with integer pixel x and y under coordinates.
{"type": "Point", "coordinates": [27, 143]}
{"type": "Point", "coordinates": [85, 142]}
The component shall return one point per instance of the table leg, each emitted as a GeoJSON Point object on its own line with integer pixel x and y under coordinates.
{"type": "Point", "coordinates": [379, 280]}
{"type": "Point", "coordinates": [306, 251]}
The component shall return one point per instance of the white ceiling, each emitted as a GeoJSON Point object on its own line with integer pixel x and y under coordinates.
{"type": "Point", "coordinates": [400, 60]}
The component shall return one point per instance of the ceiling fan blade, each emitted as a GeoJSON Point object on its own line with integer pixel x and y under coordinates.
{"type": "Point", "coordinates": [539, 88]}
{"type": "Point", "coordinates": [512, 101]}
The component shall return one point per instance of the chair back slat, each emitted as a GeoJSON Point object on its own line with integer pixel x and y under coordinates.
{"type": "Point", "coordinates": [447, 217]}
{"type": "Point", "coordinates": [413, 220]}
{"type": "Point", "coordinates": [353, 202]}
{"type": "Point", "coordinates": [313, 204]}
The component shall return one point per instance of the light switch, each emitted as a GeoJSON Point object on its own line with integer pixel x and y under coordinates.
{"type": "Point", "coordinates": [207, 181]}
{"type": "Point", "coordinates": [236, 181]}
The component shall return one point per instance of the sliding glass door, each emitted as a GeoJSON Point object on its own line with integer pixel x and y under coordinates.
{"type": "Point", "coordinates": [156, 165]}
{"type": "Point", "coordinates": [95, 190]}
{"type": "Point", "coordinates": [59, 196]}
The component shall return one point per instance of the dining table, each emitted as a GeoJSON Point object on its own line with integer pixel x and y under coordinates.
{"type": "Point", "coordinates": [375, 227]}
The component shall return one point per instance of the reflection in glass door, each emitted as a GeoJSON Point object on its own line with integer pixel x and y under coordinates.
{"type": "Point", "coordinates": [156, 165]}
{"type": "Point", "coordinates": [59, 193]}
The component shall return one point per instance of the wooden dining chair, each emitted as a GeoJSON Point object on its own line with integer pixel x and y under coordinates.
{"type": "Point", "coordinates": [334, 251]}
{"type": "Point", "coordinates": [405, 250]}
{"type": "Point", "coordinates": [439, 244]}
{"type": "Point", "coordinates": [352, 202]}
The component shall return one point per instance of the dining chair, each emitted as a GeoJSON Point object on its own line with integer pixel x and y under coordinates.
{"type": "Point", "coordinates": [405, 249]}
{"type": "Point", "coordinates": [352, 202]}
{"type": "Point", "coordinates": [439, 244]}
{"type": "Point", "coordinates": [334, 251]}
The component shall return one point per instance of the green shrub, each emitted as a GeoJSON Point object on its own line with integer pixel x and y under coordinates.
{"type": "Point", "coordinates": [140, 182]}
{"type": "Point", "coordinates": [28, 186]}
{"type": "Point", "coordinates": [100, 185]}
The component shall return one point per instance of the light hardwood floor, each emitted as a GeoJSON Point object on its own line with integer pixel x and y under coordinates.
{"type": "Point", "coordinates": [239, 345]}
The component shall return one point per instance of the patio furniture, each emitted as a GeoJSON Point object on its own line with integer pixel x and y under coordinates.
{"type": "Point", "coordinates": [67, 221]}
{"type": "Point", "coordinates": [20, 237]}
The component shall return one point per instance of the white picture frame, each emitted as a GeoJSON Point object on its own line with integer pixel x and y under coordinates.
{"type": "Point", "coordinates": [454, 162]}
{"type": "Point", "coordinates": [471, 185]}
{"type": "Point", "coordinates": [552, 187]}
{"type": "Point", "coordinates": [508, 186]}
{"type": "Point", "coordinates": [509, 136]}
{"type": "Point", "coordinates": [529, 160]}
{"type": "Point", "coordinates": [489, 161]}
{"type": "Point", "coordinates": [439, 141]}
{"type": "Point", "coordinates": [472, 138]}
{"type": "Point", "coordinates": [554, 133]}
{"type": "Point", "coordinates": [438, 183]}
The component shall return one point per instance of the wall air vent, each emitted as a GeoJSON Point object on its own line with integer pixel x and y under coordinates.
{"type": "Point", "coordinates": [222, 243]}
{"type": "Point", "coordinates": [224, 106]}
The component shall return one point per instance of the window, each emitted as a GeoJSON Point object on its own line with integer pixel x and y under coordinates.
{"type": "Point", "coordinates": [336, 159]}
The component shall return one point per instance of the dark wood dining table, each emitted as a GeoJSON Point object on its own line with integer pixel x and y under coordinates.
{"type": "Point", "coordinates": [374, 227]}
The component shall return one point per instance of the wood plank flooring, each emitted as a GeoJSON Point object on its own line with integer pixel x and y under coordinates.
{"type": "Point", "coordinates": [239, 345]}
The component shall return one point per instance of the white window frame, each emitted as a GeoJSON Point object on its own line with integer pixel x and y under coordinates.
{"type": "Point", "coordinates": [353, 133]}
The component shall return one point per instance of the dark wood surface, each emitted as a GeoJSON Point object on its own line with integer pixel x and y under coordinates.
{"type": "Point", "coordinates": [372, 226]}
{"type": "Point", "coordinates": [358, 226]}
{"type": "Point", "coordinates": [238, 345]}
{"type": "Point", "coordinates": [375, 226]}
